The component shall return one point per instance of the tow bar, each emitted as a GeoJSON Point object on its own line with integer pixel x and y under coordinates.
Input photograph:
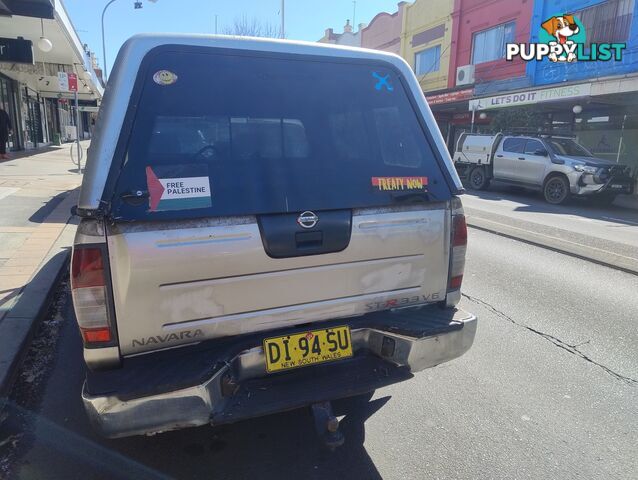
{"type": "Point", "coordinates": [327, 425]}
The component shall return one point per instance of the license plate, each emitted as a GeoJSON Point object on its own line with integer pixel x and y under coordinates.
{"type": "Point", "coordinates": [615, 186]}
{"type": "Point", "coordinates": [307, 348]}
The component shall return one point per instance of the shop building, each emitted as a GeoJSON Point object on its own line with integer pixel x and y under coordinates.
{"type": "Point", "coordinates": [595, 101]}
{"type": "Point", "coordinates": [37, 41]}
{"type": "Point", "coordinates": [604, 22]}
{"type": "Point", "coordinates": [477, 66]}
{"type": "Point", "coordinates": [426, 40]}
{"type": "Point", "coordinates": [457, 50]}
{"type": "Point", "coordinates": [481, 29]}
{"type": "Point", "coordinates": [348, 37]}
{"type": "Point", "coordinates": [384, 31]}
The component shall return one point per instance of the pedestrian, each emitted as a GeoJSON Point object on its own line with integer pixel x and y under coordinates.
{"type": "Point", "coordinates": [5, 128]}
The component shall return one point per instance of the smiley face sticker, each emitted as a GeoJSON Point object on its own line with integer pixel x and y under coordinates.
{"type": "Point", "coordinates": [164, 77]}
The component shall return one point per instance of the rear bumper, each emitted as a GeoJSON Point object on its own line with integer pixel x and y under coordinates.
{"type": "Point", "coordinates": [230, 383]}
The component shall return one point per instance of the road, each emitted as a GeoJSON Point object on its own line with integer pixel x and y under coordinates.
{"type": "Point", "coordinates": [549, 390]}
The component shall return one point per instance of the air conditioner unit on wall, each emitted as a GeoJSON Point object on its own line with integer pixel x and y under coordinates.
{"type": "Point", "coordinates": [465, 75]}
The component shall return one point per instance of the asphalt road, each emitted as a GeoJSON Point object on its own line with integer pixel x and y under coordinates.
{"type": "Point", "coordinates": [549, 390]}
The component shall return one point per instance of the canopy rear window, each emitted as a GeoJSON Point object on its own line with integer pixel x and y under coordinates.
{"type": "Point", "coordinates": [226, 134]}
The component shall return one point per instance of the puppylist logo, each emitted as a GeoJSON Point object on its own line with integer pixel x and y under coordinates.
{"type": "Point", "coordinates": [561, 38]}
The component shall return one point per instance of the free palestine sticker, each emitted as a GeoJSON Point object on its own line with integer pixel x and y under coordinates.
{"type": "Point", "coordinates": [400, 183]}
{"type": "Point", "coordinates": [177, 191]}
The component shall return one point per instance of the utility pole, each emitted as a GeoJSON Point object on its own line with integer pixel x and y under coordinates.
{"type": "Point", "coordinates": [215, 24]}
{"type": "Point", "coordinates": [77, 131]}
{"type": "Point", "coordinates": [283, 6]}
{"type": "Point", "coordinates": [354, 15]}
{"type": "Point", "coordinates": [103, 42]}
{"type": "Point", "coordinates": [473, 113]}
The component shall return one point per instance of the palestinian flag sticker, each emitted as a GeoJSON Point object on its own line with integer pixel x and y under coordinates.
{"type": "Point", "coordinates": [172, 188]}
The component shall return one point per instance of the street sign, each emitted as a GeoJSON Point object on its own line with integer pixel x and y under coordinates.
{"type": "Point", "coordinates": [67, 82]}
{"type": "Point", "coordinates": [85, 108]}
{"type": "Point", "coordinates": [16, 50]}
{"type": "Point", "coordinates": [73, 82]}
{"type": "Point", "coordinates": [63, 81]}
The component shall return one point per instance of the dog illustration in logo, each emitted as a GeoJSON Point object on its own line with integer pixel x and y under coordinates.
{"type": "Point", "coordinates": [561, 28]}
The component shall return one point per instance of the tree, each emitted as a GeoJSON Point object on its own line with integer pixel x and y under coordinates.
{"type": "Point", "coordinates": [516, 119]}
{"type": "Point", "coordinates": [253, 27]}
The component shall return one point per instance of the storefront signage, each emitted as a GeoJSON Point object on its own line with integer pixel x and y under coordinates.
{"type": "Point", "coordinates": [73, 82]}
{"type": "Point", "coordinates": [63, 82]}
{"type": "Point", "coordinates": [532, 96]}
{"type": "Point", "coordinates": [449, 97]}
{"type": "Point", "coordinates": [67, 82]}
{"type": "Point", "coordinates": [16, 50]}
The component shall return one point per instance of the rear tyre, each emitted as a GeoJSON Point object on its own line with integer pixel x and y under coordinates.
{"type": "Point", "coordinates": [556, 190]}
{"type": "Point", "coordinates": [478, 179]}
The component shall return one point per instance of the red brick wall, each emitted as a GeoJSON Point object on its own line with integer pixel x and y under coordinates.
{"type": "Point", "coordinates": [471, 16]}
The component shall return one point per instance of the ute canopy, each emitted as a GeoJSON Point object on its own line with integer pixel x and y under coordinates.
{"type": "Point", "coordinates": [223, 133]}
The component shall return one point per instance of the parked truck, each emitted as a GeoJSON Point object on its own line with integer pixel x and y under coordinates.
{"type": "Point", "coordinates": [558, 166]}
{"type": "Point", "coordinates": [246, 248]}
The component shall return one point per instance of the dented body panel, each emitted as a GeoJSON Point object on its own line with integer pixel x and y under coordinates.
{"type": "Point", "coordinates": [214, 277]}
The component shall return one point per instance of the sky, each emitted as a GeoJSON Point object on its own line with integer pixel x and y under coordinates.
{"type": "Point", "coordinates": [304, 19]}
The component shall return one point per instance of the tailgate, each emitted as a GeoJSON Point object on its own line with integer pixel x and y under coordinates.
{"type": "Point", "coordinates": [184, 282]}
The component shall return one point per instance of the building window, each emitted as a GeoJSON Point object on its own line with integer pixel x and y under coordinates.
{"type": "Point", "coordinates": [607, 22]}
{"type": "Point", "coordinates": [489, 45]}
{"type": "Point", "coordinates": [428, 60]}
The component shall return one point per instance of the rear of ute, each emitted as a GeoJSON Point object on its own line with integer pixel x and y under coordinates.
{"type": "Point", "coordinates": [276, 226]}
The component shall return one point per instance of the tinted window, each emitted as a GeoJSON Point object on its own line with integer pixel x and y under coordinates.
{"type": "Point", "coordinates": [269, 135]}
{"type": "Point", "coordinates": [515, 145]}
{"type": "Point", "coordinates": [533, 146]}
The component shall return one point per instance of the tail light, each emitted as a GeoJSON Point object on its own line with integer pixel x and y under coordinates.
{"type": "Point", "coordinates": [458, 246]}
{"type": "Point", "coordinates": [91, 296]}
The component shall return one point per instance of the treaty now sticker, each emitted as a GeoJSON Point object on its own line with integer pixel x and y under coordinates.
{"type": "Point", "coordinates": [177, 193]}
{"type": "Point", "coordinates": [400, 183]}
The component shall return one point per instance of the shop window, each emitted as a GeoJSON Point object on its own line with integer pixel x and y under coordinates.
{"type": "Point", "coordinates": [607, 22]}
{"type": "Point", "coordinates": [428, 60]}
{"type": "Point", "coordinates": [489, 45]}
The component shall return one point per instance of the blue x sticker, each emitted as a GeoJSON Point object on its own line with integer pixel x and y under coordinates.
{"type": "Point", "coordinates": [382, 82]}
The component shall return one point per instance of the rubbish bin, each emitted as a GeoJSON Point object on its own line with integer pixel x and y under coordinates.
{"type": "Point", "coordinates": [57, 139]}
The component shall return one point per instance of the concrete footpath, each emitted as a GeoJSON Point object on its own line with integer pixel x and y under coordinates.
{"type": "Point", "coordinates": [37, 192]}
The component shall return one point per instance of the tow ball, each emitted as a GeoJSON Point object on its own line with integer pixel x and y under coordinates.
{"type": "Point", "coordinates": [327, 425]}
